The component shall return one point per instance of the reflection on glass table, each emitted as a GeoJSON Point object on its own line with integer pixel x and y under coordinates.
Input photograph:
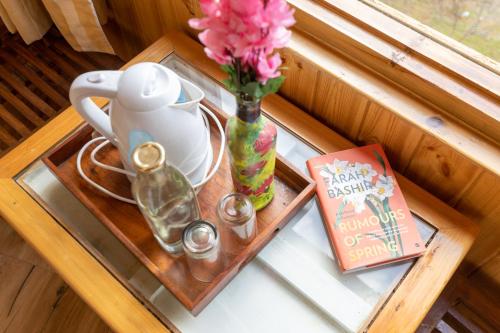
{"type": "Point", "coordinates": [293, 285]}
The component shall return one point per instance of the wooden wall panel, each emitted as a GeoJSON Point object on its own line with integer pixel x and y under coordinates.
{"type": "Point", "coordinates": [482, 203]}
{"type": "Point", "coordinates": [482, 198]}
{"type": "Point", "coordinates": [492, 268]}
{"type": "Point", "coordinates": [135, 24]}
{"type": "Point", "coordinates": [442, 171]}
{"type": "Point", "coordinates": [299, 72]}
{"type": "Point", "coordinates": [168, 21]}
{"type": "Point", "coordinates": [122, 29]}
{"type": "Point", "coordinates": [399, 138]}
{"type": "Point", "coordinates": [337, 105]}
{"type": "Point", "coordinates": [184, 10]}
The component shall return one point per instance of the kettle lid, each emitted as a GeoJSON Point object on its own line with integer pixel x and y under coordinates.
{"type": "Point", "coordinates": [147, 86]}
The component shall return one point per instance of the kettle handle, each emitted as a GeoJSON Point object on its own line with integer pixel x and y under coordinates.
{"type": "Point", "coordinates": [98, 83]}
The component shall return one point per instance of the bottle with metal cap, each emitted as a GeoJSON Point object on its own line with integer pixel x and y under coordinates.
{"type": "Point", "coordinates": [202, 248]}
{"type": "Point", "coordinates": [164, 195]}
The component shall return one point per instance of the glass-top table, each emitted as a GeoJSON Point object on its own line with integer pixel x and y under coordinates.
{"type": "Point", "coordinates": [293, 285]}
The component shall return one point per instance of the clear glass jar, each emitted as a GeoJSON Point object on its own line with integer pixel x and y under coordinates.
{"type": "Point", "coordinates": [237, 221]}
{"type": "Point", "coordinates": [164, 195]}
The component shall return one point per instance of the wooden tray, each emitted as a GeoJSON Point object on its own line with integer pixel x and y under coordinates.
{"type": "Point", "coordinates": [293, 191]}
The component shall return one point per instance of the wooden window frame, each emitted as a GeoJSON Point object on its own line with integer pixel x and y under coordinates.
{"type": "Point", "coordinates": [446, 41]}
{"type": "Point", "coordinates": [450, 81]}
{"type": "Point", "coordinates": [123, 312]}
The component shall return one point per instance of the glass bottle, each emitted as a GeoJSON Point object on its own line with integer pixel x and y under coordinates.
{"type": "Point", "coordinates": [164, 195]}
{"type": "Point", "coordinates": [251, 141]}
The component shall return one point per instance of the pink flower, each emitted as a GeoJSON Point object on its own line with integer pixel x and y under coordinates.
{"type": "Point", "coordinates": [267, 68]}
{"type": "Point", "coordinates": [215, 48]}
{"type": "Point", "coordinates": [247, 8]}
{"type": "Point", "coordinates": [279, 14]}
{"type": "Point", "coordinates": [245, 30]}
{"type": "Point", "coordinates": [210, 8]}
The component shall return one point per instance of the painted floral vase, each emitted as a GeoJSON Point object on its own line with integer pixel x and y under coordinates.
{"type": "Point", "coordinates": [251, 141]}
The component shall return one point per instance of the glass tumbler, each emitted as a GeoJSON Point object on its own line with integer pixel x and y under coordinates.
{"type": "Point", "coordinates": [238, 222]}
{"type": "Point", "coordinates": [201, 245]}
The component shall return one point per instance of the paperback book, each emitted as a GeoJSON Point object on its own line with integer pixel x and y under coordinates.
{"type": "Point", "coordinates": [364, 212]}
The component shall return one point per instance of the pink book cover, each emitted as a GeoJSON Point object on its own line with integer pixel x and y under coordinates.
{"type": "Point", "coordinates": [364, 212]}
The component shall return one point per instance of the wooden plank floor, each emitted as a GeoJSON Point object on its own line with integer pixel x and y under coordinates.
{"type": "Point", "coordinates": [34, 85]}
{"type": "Point", "coordinates": [464, 307]}
{"type": "Point", "coordinates": [33, 298]}
{"type": "Point", "coordinates": [35, 80]}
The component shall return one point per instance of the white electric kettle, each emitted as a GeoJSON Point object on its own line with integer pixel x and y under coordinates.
{"type": "Point", "coordinates": [148, 102]}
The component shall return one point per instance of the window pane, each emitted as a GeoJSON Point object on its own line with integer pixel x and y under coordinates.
{"type": "Point", "coordinates": [473, 22]}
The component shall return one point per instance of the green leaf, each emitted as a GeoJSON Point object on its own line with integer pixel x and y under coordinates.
{"type": "Point", "coordinates": [338, 216]}
{"type": "Point", "coordinates": [376, 211]}
{"type": "Point", "coordinates": [325, 169]}
{"type": "Point", "coordinates": [381, 161]}
{"type": "Point", "coordinates": [228, 68]}
{"type": "Point", "coordinates": [394, 225]}
{"type": "Point", "coordinates": [246, 82]}
{"type": "Point", "coordinates": [253, 89]}
{"type": "Point", "coordinates": [272, 85]}
{"type": "Point", "coordinates": [229, 83]}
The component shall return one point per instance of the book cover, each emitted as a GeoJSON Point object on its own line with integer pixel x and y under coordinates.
{"type": "Point", "coordinates": [365, 214]}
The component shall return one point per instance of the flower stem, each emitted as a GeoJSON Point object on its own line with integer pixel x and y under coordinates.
{"type": "Point", "coordinates": [376, 211]}
{"type": "Point", "coordinates": [238, 73]}
{"type": "Point", "coordinates": [395, 228]}
{"type": "Point", "coordinates": [387, 231]}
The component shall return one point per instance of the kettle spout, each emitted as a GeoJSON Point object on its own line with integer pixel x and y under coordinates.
{"type": "Point", "coordinates": [190, 96]}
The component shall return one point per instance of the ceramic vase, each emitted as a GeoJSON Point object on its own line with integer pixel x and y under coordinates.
{"type": "Point", "coordinates": [251, 141]}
